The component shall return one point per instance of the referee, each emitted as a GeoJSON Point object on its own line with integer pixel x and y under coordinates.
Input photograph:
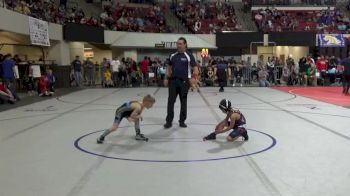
{"type": "Point", "coordinates": [346, 75]}
{"type": "Point", "coordinates": [179, 79]}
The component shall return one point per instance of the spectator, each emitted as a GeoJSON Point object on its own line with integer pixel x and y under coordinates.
{"type": "Point", "coordinates": [8, 75]}
{"type": "Point", "coordinates": [123, 73]}
{"type": "Point", "coordinates": [44, 86]}
{"type": "Point", "coordinates": [263, 74]}
{"type": "Point", "coordinates": [5, 94]}
{"type": "Point", "coordinates": [285, 74]}
{"type": "Point", "coordinates": [104, 68]}
{"type": "Point", "coordinates": [28, 80]}
{"type": "Point", "coordinates": [162, 72]}
{"type": "Point", "coordinates": [76, 64]}
{"type": "Point", "coordinates": [303, 66]}
{"type": "Point", "coordinates": [51, 81]}
{"type": "Point", "coordinates": [145, 64]}
{"type": "Point", "coordinates": [260, 62]}
{"type": "Point", "coordinates": [108, 79]}
{"type": "Point", "coordinates": [197, 26]}
{"type": "Point", "coordinates": [322, 67]}
{"type": "Point", "coordinates": [115, 69]}
{"type": "Point", "coordinates": [294, 72]}
{"type": "Point", "coordinates": [271, 68]}
{"type": "Point", "coordinates": [237, 74]}
{"type": "Point", "coordinates": [90, 71]}
{"type": "Point", "coordinates": [290, 61]}
{"type": "Point", "coordinates": [311, 75]}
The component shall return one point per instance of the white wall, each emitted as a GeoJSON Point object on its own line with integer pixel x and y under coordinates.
{"type": "Point", "coordinates": [25, 52]}
{"type": "Point", "coordinates": [76, 49]}
{"type": "Point", "coordinates": [100, 54]}
{"type": "Point", "coordinates": [132, 53]}
{"type": "Point", "coordinates": [296, 51]}
{"type": "Point", "coordinates": [59, 51]}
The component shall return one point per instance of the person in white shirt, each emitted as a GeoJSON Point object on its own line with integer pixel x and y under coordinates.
{"type": "Point", "coordinates": [197, 26]}
{"type": "Point", "coordinates": [114, 69]}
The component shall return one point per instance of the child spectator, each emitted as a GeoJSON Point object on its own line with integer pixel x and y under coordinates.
{"type": "Point", "coordinates": [108, 79]}
{"type": "Point", "coordinates": [44, 86]}
{"type": "Point", "coordinates": [51, 80]}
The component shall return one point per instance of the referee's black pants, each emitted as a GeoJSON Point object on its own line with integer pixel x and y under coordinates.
{"type": "Point", "coordinates": [346, 83]}
{"type": "Point", "coordinates": [177, 87]}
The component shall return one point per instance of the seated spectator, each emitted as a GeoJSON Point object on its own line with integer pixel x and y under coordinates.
{"type": "Point", "coordinates": [108, 79]}
{"type": "Point", "coordinates": [210, 77]}
{"type": "Point", "coordinates": [23, 8]}
{"type": "Point", "coordinates": [340, 70]}
{"type": "Point", "coordinates": [311, 76]}
{"type": "Point", "coordinates": [44, 86]}
{"type": "Point", "coordinates": [5, 94]}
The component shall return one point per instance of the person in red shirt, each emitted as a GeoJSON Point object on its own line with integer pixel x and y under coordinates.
{"type": "Point", "coordinates": [145, 69]}
{"type": "Point", "coordinates": [44, 86]}
{"type": "Point", "coordinates": [5, 94]}
{"type": "Point", "coordinates": [322, 66]}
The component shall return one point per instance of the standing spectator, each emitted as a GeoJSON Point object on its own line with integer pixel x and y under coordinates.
{"type": "Point", "coordinates": [285, 74]}
{"type": "Point", "coordinates": [115, 69]}
{"type": "Point", "coordinates": [29, 82]}
{"type": "Point", "coordinates": [346, 75]}
{"type": "Point", "coordinates": [76, 64]}
{"type": "Point", "coordinates": [145, 64]}
{"type": "Point", "coordinates": [263, 74]}
{"type": "Point", "coordinates": [122, 73]}
{"type": "Point", "coordinates": [260, 62]}
{"type": "Point", "coordinates": [294, 71]}
{"type": "Point", "coordinates": [290, 62]}
{"type": "Point", "coordinates": [90, 71]}
{"type": "Point", "coordinates": [237, 74]}
{"type": "Point", "coordinates": [322, 67]}
{"type": "Point", "coordinates": [303, 66]}
{"type": "Point", "coordinates": [179, 73]}
{"type": "Point", "coordinates": [51, 81]}
{"type": "Point", "coordinates": [271, 68]}
{"type": "Point", "coordinates": [17, 59]}
{"type": "Point", "coordinates": [162, 72]}
{"type": "Point", "coordinates": [8, 69]}
{"type": "Point", "coordinates": [104, 67]}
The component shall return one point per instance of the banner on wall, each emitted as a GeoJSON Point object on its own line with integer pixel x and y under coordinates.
{"type": "Point", "coordinates": [331, 40]}
{"type": "Point", "coordinates": [39, 32]}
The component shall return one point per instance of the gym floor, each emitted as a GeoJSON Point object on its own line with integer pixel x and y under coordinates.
{"type": "Point", "coordinates": [297, 146]}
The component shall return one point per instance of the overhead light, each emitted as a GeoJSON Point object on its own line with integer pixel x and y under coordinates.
{"type": "Point", "coordinates": [87, 48]}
